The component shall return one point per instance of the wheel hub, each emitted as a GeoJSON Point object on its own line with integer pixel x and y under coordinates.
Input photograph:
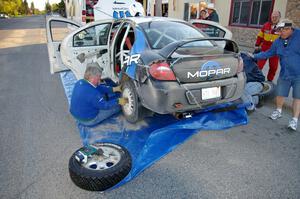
{"type": "Point", "coordinates": [129, 107]}
{"type": "Point", "coordinates": [106, 160]}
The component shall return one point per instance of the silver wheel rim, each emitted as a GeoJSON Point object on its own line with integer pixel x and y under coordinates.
{"type": "Point", "coordinates": [108, 159]}
{"type": "Point", "coordinates": [129, 107]}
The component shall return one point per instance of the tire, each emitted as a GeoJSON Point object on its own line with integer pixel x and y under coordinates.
{"type": "Point", "coordinates": [133, 109]}
{"type": "Point", "coordinates": [87, 177]}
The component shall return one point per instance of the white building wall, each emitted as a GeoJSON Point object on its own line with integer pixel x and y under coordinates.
{"type": "Point", "coordinates": [243, 35]}
{"type": "Point", "coordinates": [223, 10]}
{"type": "Point", "coordinates": [281, 6]}
{"type": "Point", "coordinates": [176, 8]}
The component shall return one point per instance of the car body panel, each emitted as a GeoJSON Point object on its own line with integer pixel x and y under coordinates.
{"type": "Point", "coordinates": [139, 46]}
{"type": "Point", "coordinates": [86, 45]}
{"type": "Point", "coordinates": [54, 46]}
{"type": "Point", "coordinates": [161, 97]}
{"type": "Point", "coordinates": [200, 64]}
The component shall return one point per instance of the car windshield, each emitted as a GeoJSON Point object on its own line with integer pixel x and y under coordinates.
{"type": "Point", "coordinates": [162, 33]}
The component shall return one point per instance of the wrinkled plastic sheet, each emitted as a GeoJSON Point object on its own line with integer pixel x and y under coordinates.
{"type": "Point", "coordinates": [152, 138]}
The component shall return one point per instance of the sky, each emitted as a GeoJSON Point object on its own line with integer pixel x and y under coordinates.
{"type": "Point", "coordinates": [40, 4]}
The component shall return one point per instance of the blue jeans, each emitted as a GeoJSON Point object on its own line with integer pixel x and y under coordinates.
{"type": "Point", "coordinates": [250, 94]}
{"type": "Point", "coordinates": [283, 87]}
{"type": "Point", "coordinates": [102, 115]}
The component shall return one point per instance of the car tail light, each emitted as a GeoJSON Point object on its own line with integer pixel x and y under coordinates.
{"type": "Point", "coordinates": [83, 12]}
{"type": "Point", "coordinates": [240, 66]}
{"type": "Point", "coordinates": [162, 71]}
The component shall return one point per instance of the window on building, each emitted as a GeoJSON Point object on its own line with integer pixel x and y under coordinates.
{"type": "Point", "coordinates": [252, 13]}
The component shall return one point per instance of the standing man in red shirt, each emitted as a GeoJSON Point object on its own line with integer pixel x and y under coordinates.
{"type": "Point", "coordinates": [266, 36]}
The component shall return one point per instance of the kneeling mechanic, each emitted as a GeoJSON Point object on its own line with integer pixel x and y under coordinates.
{"type": "Point", "coordinates": [92, 102]}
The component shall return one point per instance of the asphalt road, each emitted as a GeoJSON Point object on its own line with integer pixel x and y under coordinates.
{"type": "Point", "coordinates": [38, 135]}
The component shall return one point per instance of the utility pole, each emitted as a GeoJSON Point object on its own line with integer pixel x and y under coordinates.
{"type": "Point", "coordinates": [158, 11]}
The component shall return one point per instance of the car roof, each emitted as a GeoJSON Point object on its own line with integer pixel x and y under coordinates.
{"type": "Point", "coordinates": [139, 20]}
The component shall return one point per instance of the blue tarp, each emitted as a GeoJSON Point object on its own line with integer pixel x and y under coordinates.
{"type": "Point", "coordinates": [154, 137]}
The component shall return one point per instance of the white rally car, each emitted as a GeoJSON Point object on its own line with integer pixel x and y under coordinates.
{"type": "Point", "coordinates": [165, 65]}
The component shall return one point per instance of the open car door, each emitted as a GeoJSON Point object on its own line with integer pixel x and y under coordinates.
{"type": "Point", "coordinates": [89, 44]}
{"type": "Point", "coordinates": [57, 29]}
{"type": "Point", "coordinates": [212, 28]}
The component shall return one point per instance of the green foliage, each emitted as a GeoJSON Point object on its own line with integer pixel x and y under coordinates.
{"type": "Point", "coordinates": [32, 8]}
{"type": "Point", "coordinates": [25, 7]}
{"type": "Point", "coordinates": [20, 7]}
{"type": "Point", "coordinates": [59, 8]}
{"type": "Point", "coordinates": [9, 7]}
{"type": "Point", "coordinates": [54, 7]}
{"type": "Point", "coordinates": [48, 7]}
{"type": "Point", "coordinates": [16, 7]}
{"type": "Point", "coordinates": [62, 8]}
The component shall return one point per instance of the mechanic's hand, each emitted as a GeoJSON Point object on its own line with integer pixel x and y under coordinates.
{"type": "Point", "coordinates": [117, 89]}
{"type": "Point", "coordinates": [122, 101]}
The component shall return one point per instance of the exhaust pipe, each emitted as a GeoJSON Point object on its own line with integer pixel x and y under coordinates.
{"type": "Point", "coordinates": [180, 116]}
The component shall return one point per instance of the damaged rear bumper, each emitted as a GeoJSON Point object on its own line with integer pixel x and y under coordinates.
{"type": "Point", "coordinates": [166, 97]}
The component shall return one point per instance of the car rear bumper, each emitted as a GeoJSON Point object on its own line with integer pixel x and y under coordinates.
{"type": "Point", "coordinates": [170, 97]}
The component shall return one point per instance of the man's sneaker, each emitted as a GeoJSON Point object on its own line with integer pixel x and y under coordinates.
{"type": "Point", "coordinates": [292, 125]}
{"type": "Point", "coordinates": [275, 115]}
{"type": "Point", "coordinates": [249, 112]}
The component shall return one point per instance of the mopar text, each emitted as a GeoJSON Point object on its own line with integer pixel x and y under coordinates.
{"type": "Point", "coordinates": [208, 73]}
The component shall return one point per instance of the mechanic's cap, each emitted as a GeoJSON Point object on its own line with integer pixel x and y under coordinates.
{"type": "Point", "coordinates": [211, 6]}
{"type": "Point", "coordinates": [136, 10]}
{"type": "Point", "coordinates": [284, 23]}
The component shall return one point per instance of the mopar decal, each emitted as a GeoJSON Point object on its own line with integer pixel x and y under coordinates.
{"type": "Point", "coordinates": [208, 73]}
{"type": "Point", "coordinates": [209, 69]}
{"type": "Point", "coordinates": [133, 58]}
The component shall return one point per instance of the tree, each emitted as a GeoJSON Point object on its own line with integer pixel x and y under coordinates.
{"type": "Point", "coordinates": [25, 7]}
{"type": "Point", "coordinates": [32, 8]}
{"type": "Point", "coordinates": [54, 7]}
{"type": "Point", "coordinates": [62, 8]}
{"type": "Point", "coordinates": [14, 7]}
{"type": "Point", "coordinates": [48, 7]}
{"type": "Point", "coordinates": [9, 7]}
{"type": "Point", "coordinates": [20, 7]}
{"type": "Point", "coordinates": [59, 8]}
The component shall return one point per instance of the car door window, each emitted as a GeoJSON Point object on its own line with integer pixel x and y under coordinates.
{"type": "Point", "coordinates": [210, 30]}
{"type": "Point", "coordinates": [60, 29]}
{"type": "Point", "coordinates": [92, 36]}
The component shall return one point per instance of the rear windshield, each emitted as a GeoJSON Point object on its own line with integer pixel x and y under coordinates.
{"type": "Point", "coordinates": [162, 33]}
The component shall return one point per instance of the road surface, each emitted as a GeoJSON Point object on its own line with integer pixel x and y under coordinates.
{"type": "Point", "coordinates": [38, 135]}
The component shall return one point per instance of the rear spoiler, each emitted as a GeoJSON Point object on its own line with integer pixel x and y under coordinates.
{"type": "Point", "coordinates": [168, 50]}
